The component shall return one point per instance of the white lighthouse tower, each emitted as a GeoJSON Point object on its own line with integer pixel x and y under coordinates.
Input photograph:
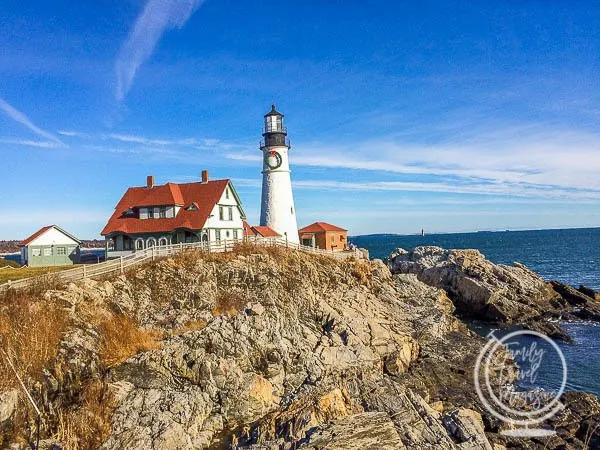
{"type": "Point", "coordinates": [277, 206]}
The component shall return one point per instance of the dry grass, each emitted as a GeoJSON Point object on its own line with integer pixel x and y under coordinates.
{"type": "Point", "coordinates": [88, 425]}
{"type": "Point", "coordinates": [362, 270]}
{"type": "Point", "coordinates": [228, 304]}
{"type": "Point", "coordinates": [28, 272]}
{"type": "Point", "coordinates": [30, 333]}
{"type": "Point", "coordinates": [121, 338]}
{"type": "Point", "coordinates": [192, 325]}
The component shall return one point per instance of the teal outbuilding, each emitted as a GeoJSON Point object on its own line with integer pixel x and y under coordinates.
{"type": "Point", "coordinates": [50, 246]}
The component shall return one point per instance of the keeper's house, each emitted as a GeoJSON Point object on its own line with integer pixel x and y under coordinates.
{"type": "Point", "coordinates": [148, 216]}
{"type": "Point", "coordinates": [50, 246]}
{"type": "Point", "coordinates": [325, 236]}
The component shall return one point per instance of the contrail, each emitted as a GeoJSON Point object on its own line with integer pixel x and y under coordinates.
{"type": "Point", "coordinates": [18, 116]}
{"type": "Point", "coordinates": [157, 17]}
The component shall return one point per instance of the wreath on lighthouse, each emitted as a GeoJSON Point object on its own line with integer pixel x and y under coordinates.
{"type": "Point", "coordinates": [273, 159]}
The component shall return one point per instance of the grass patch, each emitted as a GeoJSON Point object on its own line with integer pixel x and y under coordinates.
{"type": "Point", "coordinates": [30, 333]}
{"type": "Point", "coordinates": [8, 263]}
{"type": "Point", "coordinates": [228, 303]}
{"type": "Point", "coordinates": [121, 338]}
{"type": "Point", "coordinates": [12, 274]}
{"type": "Point", "coordinates": [362, 271]}
{"type": "Point", "coordinates": [87, 426]}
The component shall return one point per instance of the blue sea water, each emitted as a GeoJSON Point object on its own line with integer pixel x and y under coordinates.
{"type": "Point", "coordinates": [571, 256]}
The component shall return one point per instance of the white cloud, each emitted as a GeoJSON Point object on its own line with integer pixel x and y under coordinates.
{"type": "Point", "coordinates": [21, 118]}
{"type": "Point", "coordinates": [30, 143]}
{"type": "Point", "coordinates": [70, 133]}
{"type": "Point", "coordinates": [157, 17]}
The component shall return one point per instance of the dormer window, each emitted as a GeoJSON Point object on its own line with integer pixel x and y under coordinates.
{"type": "Point", "coordinates": [192, 207]}
{"type": "Point", "coordinates": [129, 212]}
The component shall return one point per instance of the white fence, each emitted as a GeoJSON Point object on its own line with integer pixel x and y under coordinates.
{"type": "Point", "coordinates": [122, 263]}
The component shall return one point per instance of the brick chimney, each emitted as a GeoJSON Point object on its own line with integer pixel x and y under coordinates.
{"type": "Point", "coordinates": [205, 176]}
{"type": "Point", "coordinates": [150, 181]}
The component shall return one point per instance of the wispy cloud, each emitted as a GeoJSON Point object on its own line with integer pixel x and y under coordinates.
{"type": "Point", "coordinates": [70, 133]}
{"type": "Point", "coordinates": [157, 17]}
{"type": "Point", "coordinates": [30, 143]}
{"type": "Point", "coordinates": [21, 118]}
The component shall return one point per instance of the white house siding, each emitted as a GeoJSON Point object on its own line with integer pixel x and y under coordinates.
{"type": "Point", "coordinates": [53, 237]}
{"type": "Point", "coordinates": [215, 223]}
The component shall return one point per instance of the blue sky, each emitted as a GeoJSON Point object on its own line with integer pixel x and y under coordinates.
{"type": "Point", "coordinates": [448, 116]}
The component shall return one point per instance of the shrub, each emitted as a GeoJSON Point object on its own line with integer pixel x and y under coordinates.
{"type": "Point", "coordinates": [30, 333]}
{"type": "Point", "coordinates": [121, 338]}
{"type": "Point", "coordinates": [228, 304]}
{"type": "Point", "coordinates": [362, 270]}
{"type": "Point", "coordinates": [87, 425]}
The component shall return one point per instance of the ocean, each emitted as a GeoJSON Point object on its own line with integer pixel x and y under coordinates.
{"type": "Point", "coordinates": [571, 256]}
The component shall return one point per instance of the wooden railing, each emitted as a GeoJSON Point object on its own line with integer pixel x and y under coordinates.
{"type": "Point", "coordinates": [122, 263]}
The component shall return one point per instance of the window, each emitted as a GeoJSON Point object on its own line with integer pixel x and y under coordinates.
{"type": "Point", "coordinates": [226, 192]}
{"type": "Point", "coordinates": [218, 235]}
{"type": "Point", "coordinates": [150, 213]}
{"type": "Point", "coordinates": [235, 234]}
{"type": "Point", "coordinates": [36, 252]}
{"type": "Point", "coordinates": [61, 251]}
{"type": "Point", "coordinates": [221, 213]}
{"type": "Point", "coordinates": [163, 212]}
{"type": "Point", "coordinates": [292, 210]}
{"type": "Point", "coordinates": [332, 239]}
{"type": "Point", "coordinates": [139, 244]}
{"type": "Point", "coordinates": [341, 238]}
{"type": "Point", "coordinates": [227, 234]}
{"type": "Point", "coordinates": [72, 250]}
{"type": "Point", "coordinates": [48, 251]}
{"type": "Point", "coordinates": [230, 212]}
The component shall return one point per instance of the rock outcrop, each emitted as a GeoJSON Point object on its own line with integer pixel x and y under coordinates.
{"type": "Point", "coordinates": [276, 349]}
{"type": "Point", "coordinates": [483, 290]}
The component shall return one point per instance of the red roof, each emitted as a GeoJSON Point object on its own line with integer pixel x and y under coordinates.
{"type": "Point", "coordinates": [320, 227]}
{"type": "Point", "coordinates": [248, 231]}
{"type": "Point", "coordinates": [34, 235]}
{"type": "Point", "coordinates": [203, 195]}
{"type": "Point", "coordinates": [262, 231]}
{"type": "Point", "coordinates": [265, 231]}
{"type": "Point", "coordinates": [41, 231]}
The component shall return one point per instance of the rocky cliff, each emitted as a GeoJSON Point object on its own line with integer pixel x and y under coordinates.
{"type": "Point", "coordinates": [496, 292]}
{"type": "Point", "coordinates": [259, 349]}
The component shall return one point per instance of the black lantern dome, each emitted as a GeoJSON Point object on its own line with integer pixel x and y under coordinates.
{"type": "Point", "coordinates": [274, 132]}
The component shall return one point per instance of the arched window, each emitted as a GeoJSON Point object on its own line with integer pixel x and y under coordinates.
{"type": "Point", "coordinates": [163, 241]}
{"type": "Point", "coordinates": [139, 244]}
{"type": "Point", "coordinates": [205, 237]}
{"type": "Point", "coordinates": [151, 242]}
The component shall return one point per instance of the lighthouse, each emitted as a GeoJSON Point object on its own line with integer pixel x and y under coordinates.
{"type": "Point", "coordinates": [277, 205]}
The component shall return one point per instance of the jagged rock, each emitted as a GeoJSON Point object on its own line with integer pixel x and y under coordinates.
{"type": "Point", "coordinates": [368, 431]}
{"type": "Point", "coordinates": [288, 349]}
{"type": "Point", "coordinates": [570, 294]}
{"type": "Point", "coordinates": [589, 292]}
{"type": "Point", "coordinates": [466, 426]}
{"type": "Point", "coordinates": [8, 405]}
{"type": "Point", "coordinates": [478, 287]}
{"type": "Point", "coordinates": [483, 290]}
{"type": "Point", "coordinates": [256, 309]}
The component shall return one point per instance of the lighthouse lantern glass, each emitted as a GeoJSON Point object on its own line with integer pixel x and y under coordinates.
{"type": "Point", "coordinates": [273, 123]}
